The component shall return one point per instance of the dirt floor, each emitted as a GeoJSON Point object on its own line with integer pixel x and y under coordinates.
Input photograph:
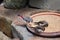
{"type": "Point", "coordinates": [11, 14]}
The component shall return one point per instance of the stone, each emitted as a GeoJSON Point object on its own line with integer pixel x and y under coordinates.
{"type": "Point", "coordinates": [14, 4]}
{"type": "Point", "coordinates": [45, 4]}
{"type": "Point", "coordinates": [5, 27]}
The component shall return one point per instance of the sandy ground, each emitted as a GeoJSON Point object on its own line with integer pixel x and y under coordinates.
{"type": "Point", "coordinates": [11, 14]}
